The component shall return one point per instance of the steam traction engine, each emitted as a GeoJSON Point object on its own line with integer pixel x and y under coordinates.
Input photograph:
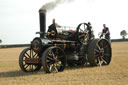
{"type": "Point", "coordinates": [54, 50]}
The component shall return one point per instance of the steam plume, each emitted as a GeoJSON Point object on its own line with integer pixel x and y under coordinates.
{"type": "Point", "coordinates": [51, 5]}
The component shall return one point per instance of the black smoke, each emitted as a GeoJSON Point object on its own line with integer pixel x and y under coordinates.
{"type": "Point", "coordinates": [51, 5]}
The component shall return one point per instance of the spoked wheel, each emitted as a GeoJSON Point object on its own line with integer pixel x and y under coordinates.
{"type": "Point", "coordinates": [29, 61]}
{"type": "Point", "coordinates": [83, 33]}
{"type": "Point", "coordinates": [99, 52]}
{"type": "Point", "coordinates": [53, 60]}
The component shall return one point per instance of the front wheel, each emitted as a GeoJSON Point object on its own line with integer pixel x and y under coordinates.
{"type": "Point", "coordinates": [29, 61]}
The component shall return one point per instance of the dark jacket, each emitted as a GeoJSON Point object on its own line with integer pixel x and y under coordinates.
{"type": "Point", "coordinates": [52, 27]}
{"type": "Point", "coordinates": [106, 30]}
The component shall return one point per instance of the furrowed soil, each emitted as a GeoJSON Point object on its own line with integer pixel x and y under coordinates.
{"type": "Point", "coordinates": [114, 74]}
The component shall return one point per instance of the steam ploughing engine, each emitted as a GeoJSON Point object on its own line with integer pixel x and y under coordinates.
{"type": "Point", "coordinates": [55, 49]}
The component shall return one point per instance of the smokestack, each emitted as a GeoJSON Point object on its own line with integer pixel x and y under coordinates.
{"type": "Point", "coordinates": [42, 17]}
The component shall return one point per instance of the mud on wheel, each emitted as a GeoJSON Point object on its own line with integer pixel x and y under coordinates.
{"type": "Point", "coordinates": [99, 52]}
{"type": "Point", "coordinates": [53, 60]}
{"type": "Point", "coordinates": [29, 61]}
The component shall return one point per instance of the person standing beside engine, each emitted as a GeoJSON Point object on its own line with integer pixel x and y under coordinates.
{"type": "Point", "coordinates": [105, 33]}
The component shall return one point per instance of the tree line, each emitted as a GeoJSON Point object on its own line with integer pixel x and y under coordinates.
{"type": "Point", "coordinates": [123, 33]}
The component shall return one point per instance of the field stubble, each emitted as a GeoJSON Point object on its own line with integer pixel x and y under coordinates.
{"type": "Point", "coordinates": [114, 74]}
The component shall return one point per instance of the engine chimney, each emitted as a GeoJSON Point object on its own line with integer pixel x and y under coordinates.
{"type": "Point", "coordinates": [42, 17]}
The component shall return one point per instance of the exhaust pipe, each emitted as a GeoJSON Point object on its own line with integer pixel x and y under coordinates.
{"type": "Point", "coordinates": [42, 17]}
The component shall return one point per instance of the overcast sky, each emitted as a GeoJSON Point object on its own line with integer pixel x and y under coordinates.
{"type": "Point", "coordinates": [19, 19]}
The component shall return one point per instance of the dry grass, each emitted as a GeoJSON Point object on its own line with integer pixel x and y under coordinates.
{"type": "Point", "coordinates": [114, 74]}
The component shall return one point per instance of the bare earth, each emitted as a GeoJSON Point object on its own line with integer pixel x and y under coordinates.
{"type": "Point", "coordinates": [114, 74]}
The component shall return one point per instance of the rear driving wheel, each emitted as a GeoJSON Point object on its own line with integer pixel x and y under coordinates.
{"type": "Point", "coordinates": [53, 60]}
{"type": "Point", "coordinates": [99, 52]}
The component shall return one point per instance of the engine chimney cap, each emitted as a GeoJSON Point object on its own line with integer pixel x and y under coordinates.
{"type": "Point", "coordinates": [42, 10]}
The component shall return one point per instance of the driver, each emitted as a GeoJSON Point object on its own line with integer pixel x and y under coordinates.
{"type": "Point", "coordinates": [52, 27]}
{"type": "Point", "coordinates": [52, 31]}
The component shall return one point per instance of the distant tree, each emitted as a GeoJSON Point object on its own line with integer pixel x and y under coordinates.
{"type": "Point", "coordinates": [123, 33]}
{"type": "Point", "coordinates": [0, 41]}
